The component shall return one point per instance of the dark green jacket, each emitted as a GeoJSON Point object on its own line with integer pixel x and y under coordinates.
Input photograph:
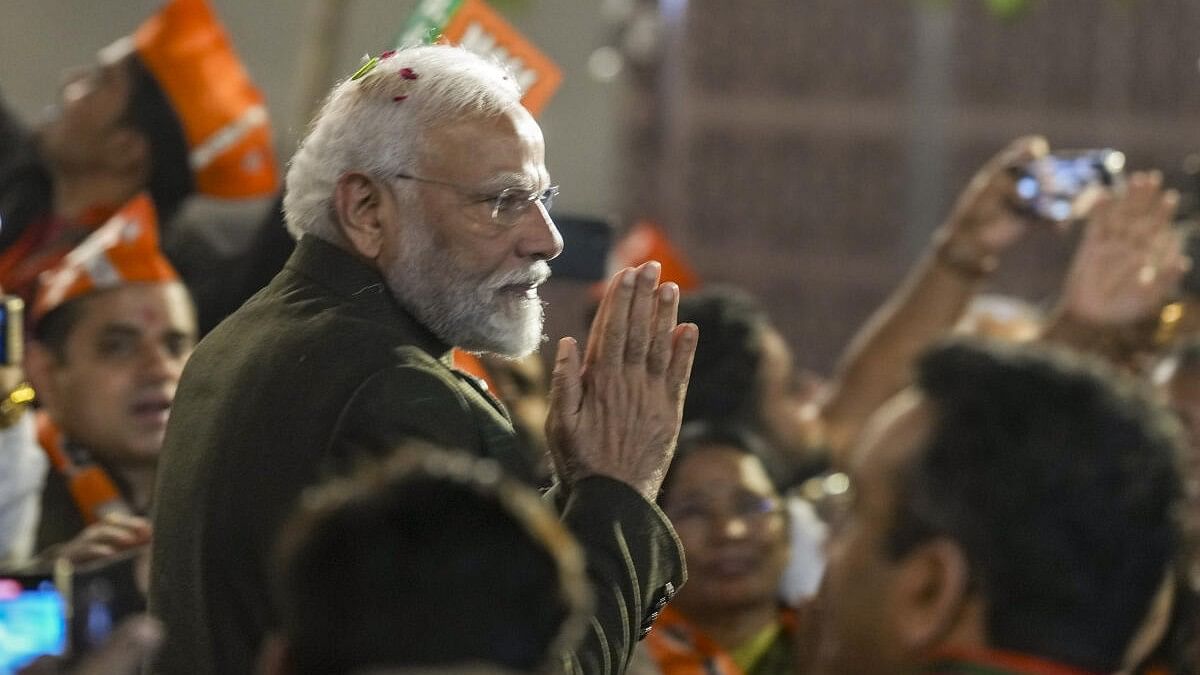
{"type": "Point", "coordinates": [319, 366]}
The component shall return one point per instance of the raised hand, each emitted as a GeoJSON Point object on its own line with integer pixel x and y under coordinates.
{"type": "Point", "coordinates": [983, 222]}
{"type": "Point", "coordinates": [1130, 257]}
{"type": "Point", "coordinates": [112, 535]}
{"type": "Point", "coordinates": [616, 410]}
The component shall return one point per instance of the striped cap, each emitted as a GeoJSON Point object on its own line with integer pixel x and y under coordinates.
{"type": "Point", "coordinates": [223, 115]}
{"type": "Point", "coordinates": [122, 251]}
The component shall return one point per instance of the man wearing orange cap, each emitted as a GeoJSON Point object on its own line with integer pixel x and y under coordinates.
{"type": "Point", "coordinates": [168, 109]}
{"type": "Point", "coordinates": [113, 327]}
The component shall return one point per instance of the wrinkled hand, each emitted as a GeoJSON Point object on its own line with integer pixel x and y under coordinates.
{"type": "Point", "coordinates": [132, 644]}
{"type": "Point", "coordinates": [617, 411]}
{"type": "Point", "coordinates": [1130, 257]}
{"type": "Point", "coordinates": [114, 534]}
{"type": "Point", "coordinates": [983, 222]}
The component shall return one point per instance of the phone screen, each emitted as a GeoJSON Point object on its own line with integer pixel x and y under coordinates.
{"type": "Point", "coordinates": [1056, 186]}
{"type": "Point", "coordinates": [33, 621]}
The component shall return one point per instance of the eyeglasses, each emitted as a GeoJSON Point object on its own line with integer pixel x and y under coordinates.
{"type": "Point", "coordinates": [508, 207]}
{"type": "Point", "coordinates": [753, 509]}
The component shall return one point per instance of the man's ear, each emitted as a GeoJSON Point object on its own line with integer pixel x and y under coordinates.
{"type": "Point", "coordinates": [932, 587]}
{"type": "Point", "coordinates": [275, 658]}
{"type": "Point", "coordinates": [40, 364]}
{"type": "Point", "coordinates": [359, 201]}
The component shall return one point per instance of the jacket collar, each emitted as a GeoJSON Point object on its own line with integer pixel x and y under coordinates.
{"type": "Point", "coordinates": [362, 290]}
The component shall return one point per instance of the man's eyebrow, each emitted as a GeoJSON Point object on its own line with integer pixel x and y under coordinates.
{"type": "Point", "coordinates": [514, 180]}
{"type": "Point", "coordinates": [119, 329]}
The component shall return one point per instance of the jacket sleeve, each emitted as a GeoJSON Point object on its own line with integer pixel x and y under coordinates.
{"type": "Point", "coordinates": [635, 565]}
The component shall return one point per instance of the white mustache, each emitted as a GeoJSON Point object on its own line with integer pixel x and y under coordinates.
{"type": "Point", "coordinates": [534, 275]}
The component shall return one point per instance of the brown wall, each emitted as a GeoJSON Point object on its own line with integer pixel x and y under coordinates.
{"type": "Point", "coordinates": [806, 148]}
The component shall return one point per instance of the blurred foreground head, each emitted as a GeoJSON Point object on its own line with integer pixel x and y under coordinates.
{"type": "Point", "coordinates": [1014, 504]}
{"type": "Point", "coordinates": [430, 560]}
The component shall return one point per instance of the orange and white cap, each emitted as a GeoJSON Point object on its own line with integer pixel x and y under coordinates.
{"type": "Point", "coordinates": [223, 115]}
{"type": "Point", "coordinates": [122, 251]}
{"type": "Point", "coordinates": [646, 241]}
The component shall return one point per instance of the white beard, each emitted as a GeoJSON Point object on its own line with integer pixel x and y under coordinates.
{"type": "Point", "coordinates": [464, 310]}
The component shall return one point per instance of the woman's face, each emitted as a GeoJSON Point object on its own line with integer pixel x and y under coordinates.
{"type": "Point", "coordinates": [733, 527]}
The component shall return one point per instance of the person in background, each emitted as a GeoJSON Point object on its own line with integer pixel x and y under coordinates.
{"type": "Point", "coordinates": [466, 564]}
{"type": "Point", "coordinates": [112, 328]}
{"type": "Point", "coordinates": [168, 109]}
{"type": "Point", "coordinates": [1012, 512]}
{"type": "Point", "coordinates": [733, 524]}
{"type": "Point", "coordinates": [745, 372]}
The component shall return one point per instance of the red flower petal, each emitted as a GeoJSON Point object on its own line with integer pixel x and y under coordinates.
{"type": "Point", "coordinates": [408, 74]}
{"type": "Point", "coordinates": [388, 54]}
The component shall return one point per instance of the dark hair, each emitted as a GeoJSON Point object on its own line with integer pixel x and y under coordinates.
{"type": "Point", "coordinates": [725, 379]}
{"type": "Point", "coordinates": [700, 434]}
{"type": "Point", "coordinates": [1058, 480]}
{"type": "Point", "coordinates": [54, 329]}
{"type": "Point", "coordinates": [424, 562]}
{"type": "Point", "coordinates": [150, 112]}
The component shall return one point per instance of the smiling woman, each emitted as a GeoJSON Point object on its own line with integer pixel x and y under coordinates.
{"type": "Point", "coordinates": [734, 530]}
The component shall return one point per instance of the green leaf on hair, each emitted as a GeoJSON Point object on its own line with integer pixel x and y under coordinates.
{"type": "Point", "coordinates": [365, 68]}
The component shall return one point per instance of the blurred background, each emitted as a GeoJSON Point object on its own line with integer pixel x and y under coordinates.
{"type": "Point", "coordinates": [804, 149]}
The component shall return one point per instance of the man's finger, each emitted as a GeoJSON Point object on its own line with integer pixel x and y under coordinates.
{"type": "Point", "coordinates": [641, 314]}
{"type": "Point", "coordinates": [566, 390]}
{"type": "Point", "coordinates": [683, 350]}
{"type": "Point", "coordinates": [665, 315]}
{"type": "Point", "coordinates": [611, 346]}
{"type": "Point", "coordinates": [620, 283]}
{"type": "Point", "coordinates": [566, 396]}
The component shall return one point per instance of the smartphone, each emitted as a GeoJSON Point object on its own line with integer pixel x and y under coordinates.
{"type": "Point", "coordinates": [12, 329]}
{"type": "Point", "coordinates": [33, 620]}
{"type": "Point", "coordinates": [1059, 187]}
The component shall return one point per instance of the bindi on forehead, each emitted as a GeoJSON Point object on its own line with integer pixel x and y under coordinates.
{"type": "Point", "coordinates": [149, 314]}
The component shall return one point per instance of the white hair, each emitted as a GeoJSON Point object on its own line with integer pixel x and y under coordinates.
{"type": "Point", "coordinates": [376, 124]}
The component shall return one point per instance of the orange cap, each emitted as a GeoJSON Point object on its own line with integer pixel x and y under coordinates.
{"type": "Point", "coordinates": [124, 250]}
{"type": "Point", "coordinates": [645, 241]}
{"type": "Point", "coordinates": [222, 113]}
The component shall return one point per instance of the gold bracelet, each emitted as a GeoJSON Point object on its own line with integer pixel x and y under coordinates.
{"type": "Point", "coordinates": [13, 405]}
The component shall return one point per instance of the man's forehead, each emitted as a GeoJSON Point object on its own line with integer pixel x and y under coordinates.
{"type": "Point", "coordinates": [139, 304]}
{"type": "Point", "coordinates": [506, 150]}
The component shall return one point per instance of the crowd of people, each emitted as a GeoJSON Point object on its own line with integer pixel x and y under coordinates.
{"type": "Point", "coordinates": [309, 485]}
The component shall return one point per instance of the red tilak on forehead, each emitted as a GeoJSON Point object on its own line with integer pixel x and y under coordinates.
{"type": "Point", "coordinates": [398, 99]}
{"type": "Point", "coordinates": [408, 74]}
{"type": "Point", "coordinates": [150, 314]}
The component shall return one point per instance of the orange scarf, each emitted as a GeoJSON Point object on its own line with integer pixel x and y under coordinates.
{"type": "Point", "coordinates": [679, 648]}
{"type": "Point", "coordinates": [94, 492]}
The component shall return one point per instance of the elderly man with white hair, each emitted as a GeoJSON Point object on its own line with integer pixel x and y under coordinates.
{"type": "Point", "coordinates": [420, 202]}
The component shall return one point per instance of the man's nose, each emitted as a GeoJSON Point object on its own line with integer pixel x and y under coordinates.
{"type": "Point", "coordinates": [540, 239]}
{"type": "Point", "coordinates": [158, 363]}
